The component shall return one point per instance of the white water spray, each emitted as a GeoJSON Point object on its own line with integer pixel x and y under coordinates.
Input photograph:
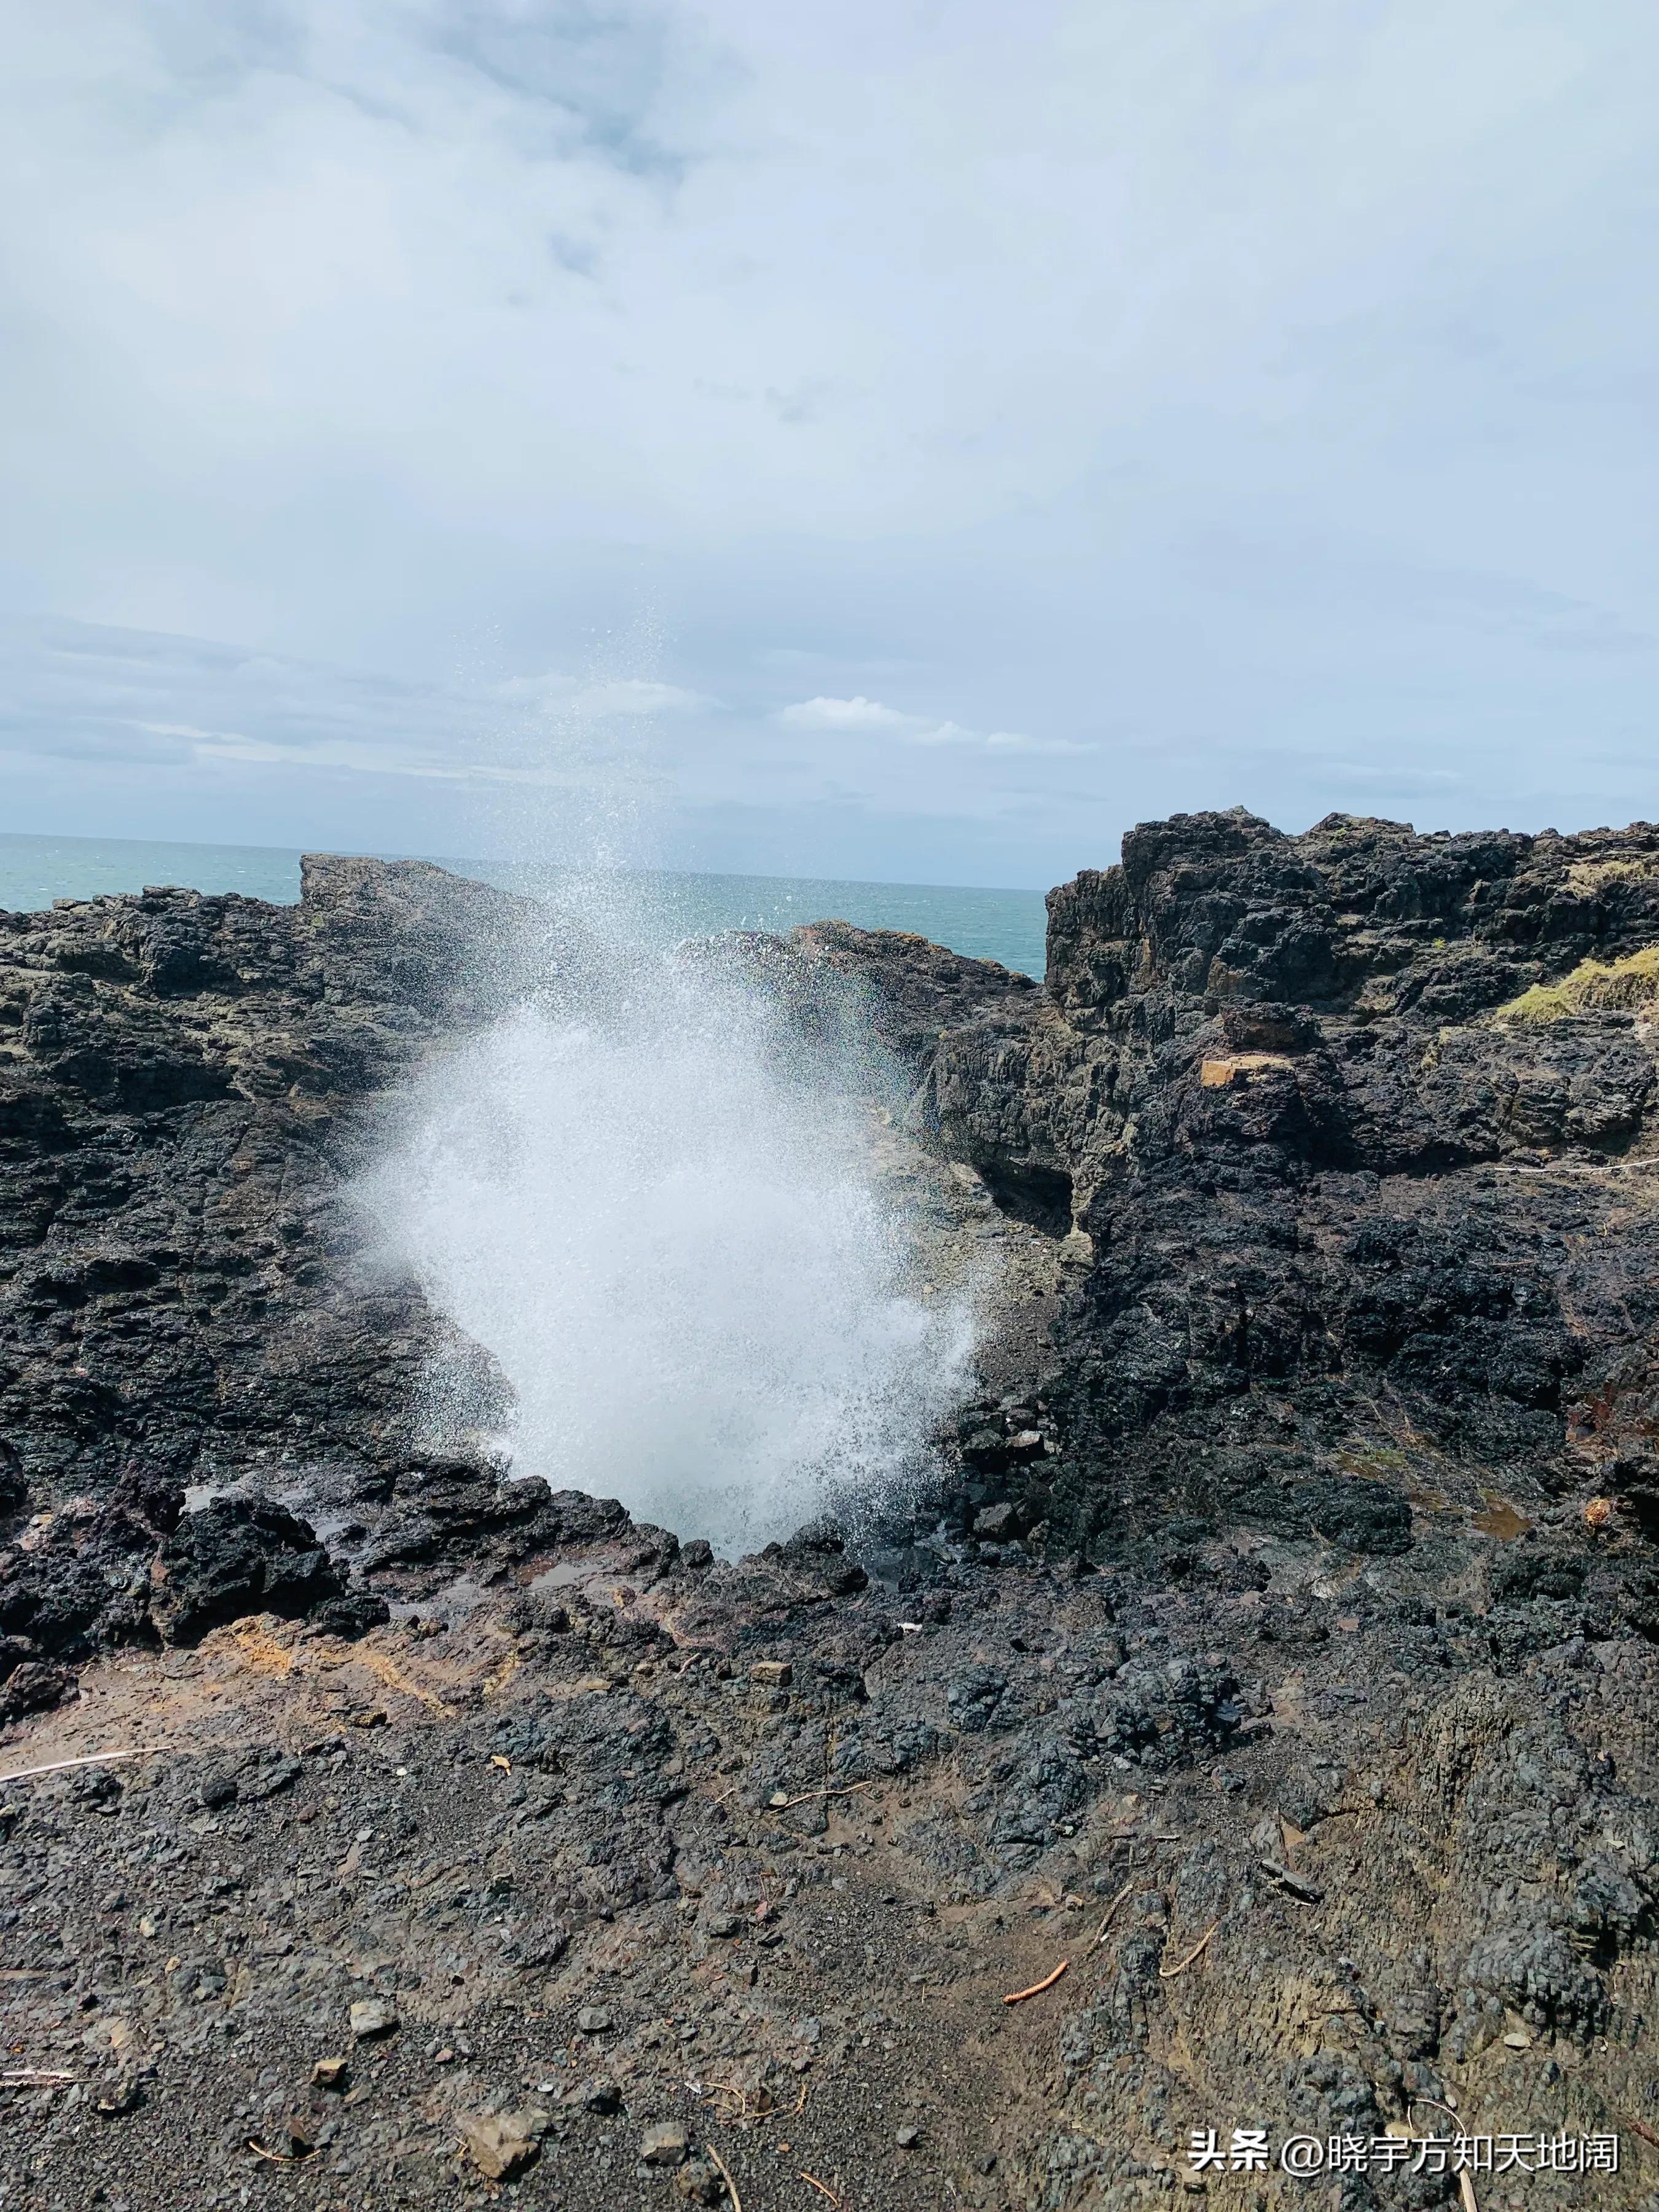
{"type": "Point", "coordinates": [662, 1218]}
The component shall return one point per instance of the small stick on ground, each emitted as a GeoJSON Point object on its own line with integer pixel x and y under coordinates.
{"type": "Point", "coordinates": [807, 1796]}
{"type": "Point", "coordinates": [1169, 1974]}
{"type": "Point", "coordinates": [1100, 1937]}
{"type": "Point", "coordinates": [1466, 2191]}
{"type": "Point", "coordinates": [25, 2077]}
{"type": "Point", "coordinates": [823, 2188]}
{"type": "Point", "coordinates": [1019, 1996]}
{"type": "Point", "coordinates": [92, 1759]}
{"type": "Point", "coordinates": [276, 2157]}
{"type": "Point", "coordinates": [725, 2175]}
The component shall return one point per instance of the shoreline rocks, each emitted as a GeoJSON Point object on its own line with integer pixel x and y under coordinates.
{"type": "Point", "coordinates": [1278, 1647]}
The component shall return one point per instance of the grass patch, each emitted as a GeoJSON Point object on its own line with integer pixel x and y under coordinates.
{"type": "Point", "coordinates": [1594, 987]}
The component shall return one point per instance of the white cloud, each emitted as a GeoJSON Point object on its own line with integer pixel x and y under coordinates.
{"type": "Point", "coordinates": [859, 714]}
{"type": "Point", "coordinates": [1281, 358]}
{"type": "Point", "coordinates": [862, 713]}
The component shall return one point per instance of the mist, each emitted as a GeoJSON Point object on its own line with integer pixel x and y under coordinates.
{"type": "Point", "coordinates": [654, 1202]}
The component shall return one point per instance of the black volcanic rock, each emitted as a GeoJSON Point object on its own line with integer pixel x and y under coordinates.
{"type": "Point", "coordinates": [238, 1556]}
{"type": "Point", "coordinates": [1354, 1124]}
{"type": "Point", "coordinates": [1280, 1652]}
{"type": "Point", "coordinates": [182, 1080]}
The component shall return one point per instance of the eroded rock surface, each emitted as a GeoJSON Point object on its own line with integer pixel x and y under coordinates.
{"type": "Point", "coordinates": [1279, 1652]}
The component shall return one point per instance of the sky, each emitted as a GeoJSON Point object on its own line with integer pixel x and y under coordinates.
{"type": "Point", "coordinates": [898, 440]}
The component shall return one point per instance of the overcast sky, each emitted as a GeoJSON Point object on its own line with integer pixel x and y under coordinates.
{"type": "Point", "coordinates": [902, 438]}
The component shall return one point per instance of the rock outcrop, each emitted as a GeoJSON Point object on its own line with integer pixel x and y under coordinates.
{"type": "Point", "coordinates": [1358, 1131]}
{"type": "Point", "coordinates": [181, 1085]}
{"type": "Point", "coordinates": [1279, 1651]}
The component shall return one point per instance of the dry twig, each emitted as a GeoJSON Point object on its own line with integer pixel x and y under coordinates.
{"type": "Point", "coordinates": [1019, 1996]}
{"type": "Point", "coordinates": [1169, 1974]}
{"type": "Point", "coordinates": [92, 1759]}
{"type": "Point", "coordinates": [725, 2175]}
{"type": "Point", "coordinates": [823, 2189]}
{"type": "Point", "coordinates": [25, 2077]}
{"type": "Point", "coordinates": [761, 2109]}
{"type": "Point", "coordinates": [807, 1796]}
{"type": "Point", "coordinates": [276, 2157]}
{"type": "Point", "coordinates": [1100, 1937]}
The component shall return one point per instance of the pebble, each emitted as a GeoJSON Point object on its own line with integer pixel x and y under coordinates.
{"type": "Point", "coordinates": [500, 2143]}
{"type": "Point", "coordinates": [593, 2020]}
{"type": "Point", "coordinates": [907, 2138]}
{"type": "Point", "coordinates": [664, 2143]}
{"type": "Point", "coordinates": [371, 2016]}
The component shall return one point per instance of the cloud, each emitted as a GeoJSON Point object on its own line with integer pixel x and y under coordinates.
{"type": "Point", "coordinates": [859, 714]}
{"type": "Point", "coordinates": [711, 357]}
{"type": "Point", "coordinates": [862, 713]}
{"type": "Point", "coordinates": [87, 690]}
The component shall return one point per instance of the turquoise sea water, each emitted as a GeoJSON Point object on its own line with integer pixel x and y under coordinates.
{"type": "Point", "coordinates": [990, 925]}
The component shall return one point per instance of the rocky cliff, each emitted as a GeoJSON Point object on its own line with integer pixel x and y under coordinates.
{"type": "Point", "coordinates": [1277, 1654]}
{"type": "Point", "coordinates": [1355, 1136]}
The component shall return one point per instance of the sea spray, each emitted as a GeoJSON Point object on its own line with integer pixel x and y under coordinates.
{"type": "Point", "coordinates": [654, 1203]}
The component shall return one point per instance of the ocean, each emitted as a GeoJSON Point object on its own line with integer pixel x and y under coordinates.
{"type": "Point", "coordinates": [989, 925]}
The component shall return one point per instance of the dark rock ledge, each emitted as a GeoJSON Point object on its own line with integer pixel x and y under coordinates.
{"type": "Point", "coordinates": [1289, 1591]}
